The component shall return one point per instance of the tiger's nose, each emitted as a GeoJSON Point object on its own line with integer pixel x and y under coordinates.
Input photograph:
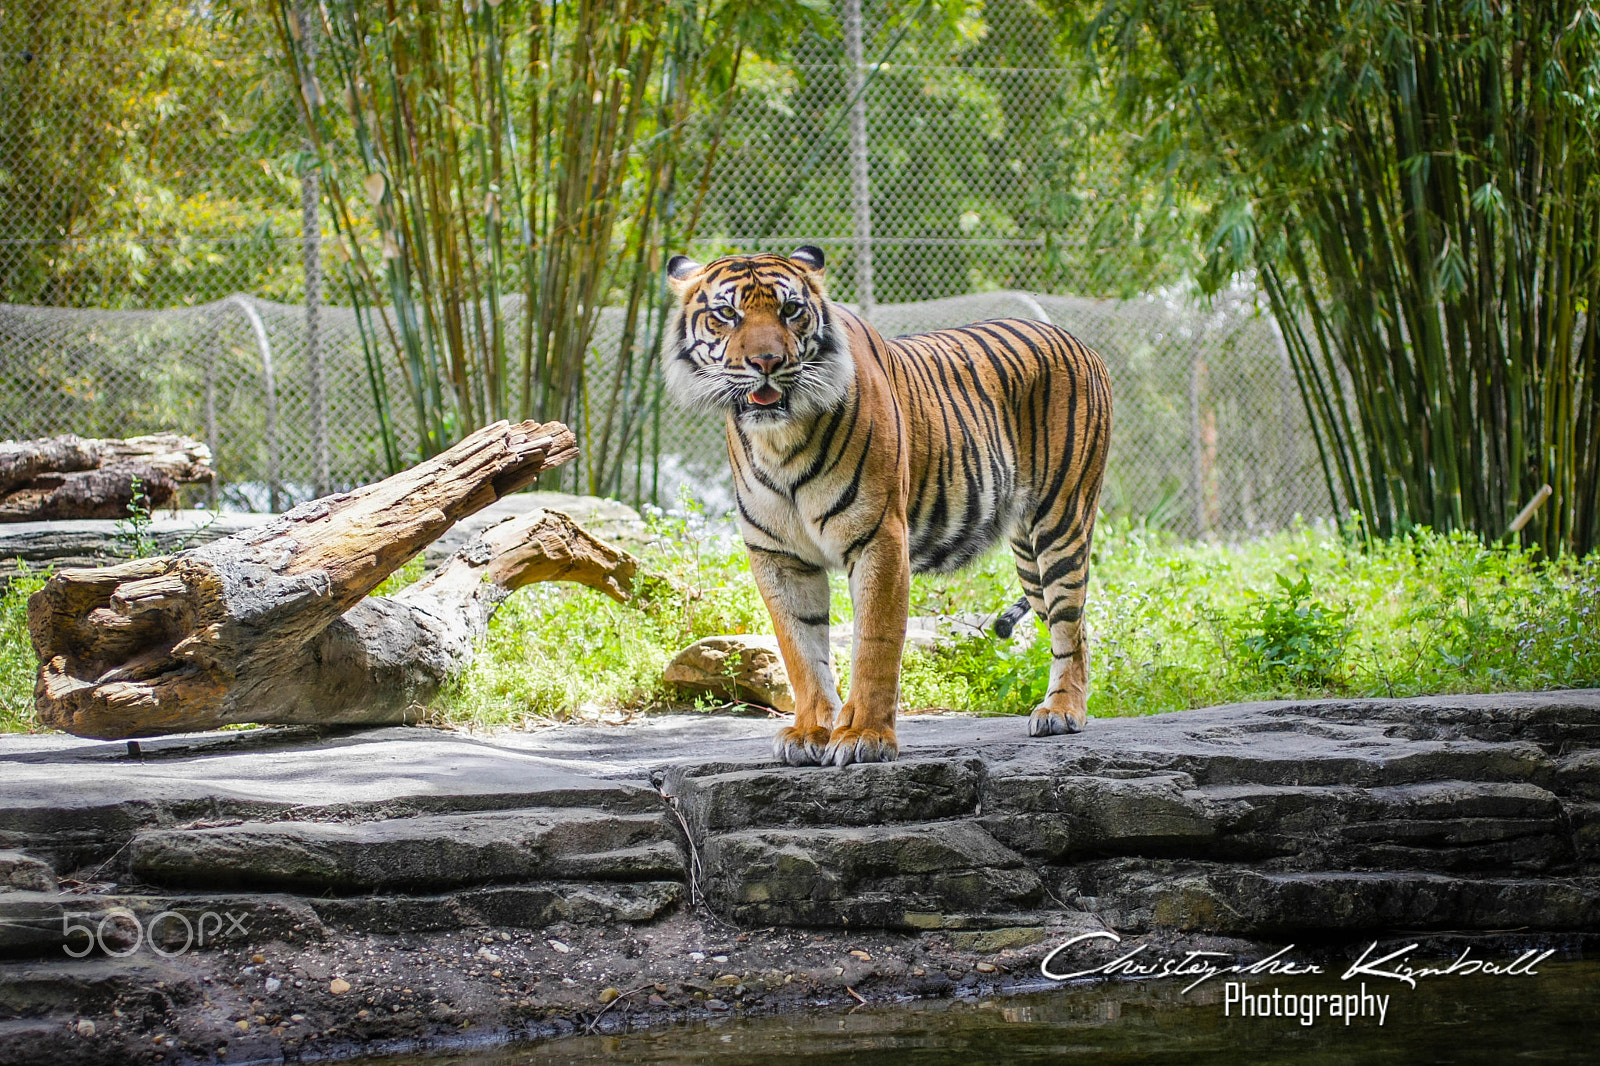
{"type": "Point", "coordinates": [766, 363]}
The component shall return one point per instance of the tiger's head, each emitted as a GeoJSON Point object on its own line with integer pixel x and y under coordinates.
{"type": "Point", "coordinates": [753, 334]}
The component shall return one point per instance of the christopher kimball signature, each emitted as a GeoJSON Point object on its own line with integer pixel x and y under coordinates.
{"type": "Point", "coordinates": [1396, 967]}
{"type": "Point", "coordinates": [1202, 966]}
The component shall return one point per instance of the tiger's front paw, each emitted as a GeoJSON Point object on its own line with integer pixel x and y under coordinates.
{"type": "Point", "coordinates": [1047, 721]}
{"type": "Point", "coordinates": [848, 745]}
{"type": "Point", "coordinates": [800, 747]}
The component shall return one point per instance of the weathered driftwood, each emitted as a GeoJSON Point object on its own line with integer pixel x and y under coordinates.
{"type": "Point", "coordinates": [73, 477]}
{"type": "Point", "coordinates": [38, 546]}
{"type": "Point", "coordinates": [249, 628]}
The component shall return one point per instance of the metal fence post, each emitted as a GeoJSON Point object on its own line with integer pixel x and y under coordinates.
{"type": "Point", "coordinates": [860, 174]}
{"type": "Point", "coordinates": [271, 382]}
{"type": "Point", "coordinates": [211, 405]}
{"type": "Point", "coordinates": [311, 258]}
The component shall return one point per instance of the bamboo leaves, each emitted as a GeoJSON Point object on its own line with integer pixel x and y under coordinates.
{"type": "Point", "coordinates": [498, 172]}
{"type": "Point", "coordinates": [1422, 182]}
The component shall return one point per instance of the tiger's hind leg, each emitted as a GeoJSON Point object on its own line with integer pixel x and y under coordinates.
{"type": "Point", "coordinates": [1059, 573]}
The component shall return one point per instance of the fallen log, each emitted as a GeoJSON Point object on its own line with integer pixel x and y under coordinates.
{"type": "Point", "coordinates": [273, 625]}
{"type": "Point", "coordinates": [74, 477]}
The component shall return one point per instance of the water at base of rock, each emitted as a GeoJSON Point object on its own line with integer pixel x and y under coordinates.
{"type": "Point", "coordinates": [1550, 1016]}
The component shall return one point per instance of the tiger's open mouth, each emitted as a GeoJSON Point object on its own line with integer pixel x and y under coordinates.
{"type": "Point", "coordinates": [767, 399]}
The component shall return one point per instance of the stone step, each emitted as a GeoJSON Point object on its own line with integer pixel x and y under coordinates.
{"type": "Point", "coordinates": [95, 986]}
{"type": "Point", "coordinates": [65, 925]}
{"type": "Point", "coordinates": [422, 854]}
{"type": "Point", "coordinates": [505, 906]}
{"type": "Point", "coordinates": [24, 873]}
{"type": "Point", "coordinates": [70, 925]}
{"type": "Point", "coordinates": [862, 794]}
{"type": "Point", "coordinates": [1487, 827]}
{"type": "Point", "coordinates": [267, 774]}
{"type": "Point", "coordinates": [1135, 895]}
{"type": "Point", "coordinates": [894, 877]}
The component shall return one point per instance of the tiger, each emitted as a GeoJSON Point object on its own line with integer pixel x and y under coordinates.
{"type": "Point", "coordinates": [884, 458]}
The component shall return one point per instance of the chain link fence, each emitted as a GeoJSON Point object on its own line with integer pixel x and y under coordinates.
{"type": "Point", "coordinates": [150, 244]}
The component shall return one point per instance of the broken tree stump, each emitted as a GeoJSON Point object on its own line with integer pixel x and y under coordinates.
{"type": "Point", "coordinates": [254, 627]}
{"type": "Point", "coordinates": [73, 477]}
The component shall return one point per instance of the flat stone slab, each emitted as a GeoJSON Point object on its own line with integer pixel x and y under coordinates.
{"type": "Point", "coordinates": [1468, 787]}
{"type": "Point", "coordinates": [561, 852]}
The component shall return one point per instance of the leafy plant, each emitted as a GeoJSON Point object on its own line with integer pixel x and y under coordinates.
{"type": "Point", "coordinates": [134, 531]}
{"type": "Point", "coordinates": [499, 172]}
{"type": "Point", "coordinates": [1171, 625]}
{"type": "Point", "coordinates": [1295, 636]}
{"type": "Point", "coordinates": [18, 666]}
{"type": "Point", "coordinates": [1416, 184]}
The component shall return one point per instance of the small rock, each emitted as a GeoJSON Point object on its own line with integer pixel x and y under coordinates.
{"type": "Point", "coordinates": [657, 1001]}
{"type": "Point", "coordinates": [743, 666]}
{"type": "Point", "coordinates": [495, 973]}
{"type": "Point", "coordinates": [716, 1004]}
{"type": "Point", "coordinates": [719, 958]}
{"type": "Point", "coordinates": [986, 967]}
{"type": "Point", "coordinates": [727, 979]}
{"type": "Point", "coordinates": [242, 1025]}
{"type": "Point", "coordinates": [297, 1018]}
{"type": "Point", "coordinates": [607, 995]}
{"type": "Point", "coordinates": [338, 986]}
{"type": "Point", "coordinates": [85, 1027]}
{"type": "Point", "coordinates": [862, 955]}
{"type": "Point", "coordinates": [363, 1015]}
{"type": "Point", "coordinates": [697, 956]}
{"type": "Point", "coordinates": [559, 946]}
{"type": "Point", "coordinates": [568, 982]}
{"type": "Point", "coordinates": [918, 971]}
{"type": "Point", "coordinates": [258, 959]}
{"type": "Point", "coordinates": [273, 984]}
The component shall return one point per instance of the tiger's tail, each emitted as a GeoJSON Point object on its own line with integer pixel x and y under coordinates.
{"type": "Point", "coordinates": [1007, 620]}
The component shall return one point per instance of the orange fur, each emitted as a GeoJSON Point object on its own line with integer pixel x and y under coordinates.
{"type": "Point", "coordinates": [883, 457]}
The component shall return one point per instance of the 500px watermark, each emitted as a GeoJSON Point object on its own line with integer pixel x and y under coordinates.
{"type": "Point", "coordinates": [119, 933]}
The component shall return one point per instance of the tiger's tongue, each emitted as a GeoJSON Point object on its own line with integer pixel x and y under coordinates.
{"type": "Point", "coordinates": [766, 396]}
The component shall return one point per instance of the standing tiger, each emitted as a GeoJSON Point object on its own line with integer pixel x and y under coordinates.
{"type": "Point", "coordinates": [888, 457]}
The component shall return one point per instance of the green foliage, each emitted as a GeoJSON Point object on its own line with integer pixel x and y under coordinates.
{"type": "Point", "coordinates": [146, 154]}
{"type": "Point", "coordinates": [18, 666]}
{"type": "Point", "coordinates": [1416, 185]}
{"type": "Point", "coordinates": [1293, 636]}
{"type": "Point", "coordinates": [1306, 613]}
{"type": "Point", "coordinates": [558, 650]}
{"type": "Point", "coordinates": [134, 531]}
{"type": "Point", "coordinates": [1171, 625]}
{"type": "Point", "coordinates": [498, 173]}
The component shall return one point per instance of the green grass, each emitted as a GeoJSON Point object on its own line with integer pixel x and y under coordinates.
{"type": "Point", "coordinates": [1172, 625]}
{"type": "Point", "coordinates": [18, 667]}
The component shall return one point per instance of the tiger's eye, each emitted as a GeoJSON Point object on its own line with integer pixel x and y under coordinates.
{"type": "Point", "coordinates": [727, 314]}
{"type": "Point", "coordinates": [789, 309]}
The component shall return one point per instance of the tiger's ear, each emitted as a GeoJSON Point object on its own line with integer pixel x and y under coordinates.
{"type": "Point", "coordinates": [808, 256]}
{"type": "Point", "coordinates": [680, 268]}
